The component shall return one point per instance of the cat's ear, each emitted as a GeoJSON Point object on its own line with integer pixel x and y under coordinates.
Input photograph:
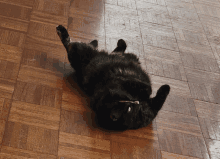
{"type": "Point", "coordinates": [64, 36]}
{"type": "Point", "coordinates": [121, 47]}
{"type": "Point", "coordinates": [158, 101]}
{"type": "Point", "coordinates": [94, 43]}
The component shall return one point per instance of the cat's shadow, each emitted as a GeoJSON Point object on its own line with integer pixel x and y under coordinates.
{"type": "Point", "coordinates": [64, 70]}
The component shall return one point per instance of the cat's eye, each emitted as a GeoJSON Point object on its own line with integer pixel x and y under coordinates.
{"type": "Point", "coordinates": [129, 109]}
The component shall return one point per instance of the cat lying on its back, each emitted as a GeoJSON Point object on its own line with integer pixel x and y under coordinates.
{"type": "Point", "coordinates": [119, 89]}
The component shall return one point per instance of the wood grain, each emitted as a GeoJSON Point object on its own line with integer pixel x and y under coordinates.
{"type": "Point", "coordinates": [5, 106]}
{"type": "Point", "coordinates": [40, 116]}
{"type": "Point", "coordinates": [213, 148]}
{"type": "Point", "coordinates": [32, 138]}
{"type": "Point", "coordinates": [164, 63]}
{"type": "Point", "coordinates": [185, 144]}
{"type": "Point", "coordinates": [149, 12]}
{"type": "Point", "coordinates": [167, 155]}
{"type": "Point", "coordinates": [176, 122]}
{"type": "Point", "coordinates": [6, 88]}
{"type": "Point", "coordinates": [45, 115]}
{"type": "Point", "coordinates": [158, 36]}
{"type": "Point", "coordinates": [15, 153]}
{"type": "Point", "coordinates": [2, 129]}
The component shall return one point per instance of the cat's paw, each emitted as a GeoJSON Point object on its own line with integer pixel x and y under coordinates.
{"type": "Point", "coordinates": [61, 31]}
{"type": "Point", "coordinates": [164, 90]}
{"type": "Point", "coordinates": [121, 44]}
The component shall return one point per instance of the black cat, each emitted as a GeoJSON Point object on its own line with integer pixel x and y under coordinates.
{"type": "Point", "coordinates": [119, 89]}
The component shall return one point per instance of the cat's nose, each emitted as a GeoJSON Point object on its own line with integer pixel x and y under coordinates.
{"type": "Point", "coordinates": [113, 117]}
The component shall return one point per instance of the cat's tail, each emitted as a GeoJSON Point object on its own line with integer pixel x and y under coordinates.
{"type": "Point", "coordinates": [64, 36]}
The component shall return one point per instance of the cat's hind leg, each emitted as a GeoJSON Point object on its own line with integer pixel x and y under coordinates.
{"type": "Point", "coordinates": [64, 36]}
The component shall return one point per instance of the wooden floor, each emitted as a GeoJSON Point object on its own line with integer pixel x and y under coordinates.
{"type": "Point", "coordinates": [44, 115]}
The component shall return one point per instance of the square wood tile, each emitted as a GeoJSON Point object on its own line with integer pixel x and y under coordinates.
{"type": "Point", "coordinates": [167, 155]}
{"type": "Point", "coordinates": [181, 5]}
{"type": "Point", "coordinates": [179, 104]}
{"type": "Point", "coordinates": [27, 137]}
{"type": "Point", "coordinates": [207, 110]}
{"type": "Point", "coordinates": [133, 148]}
{"type": "Point", "coordinates": [202, 8]}
{"type": "Point", "coordinates": [142, 142]}
{"type": "Point", "coordinates": [68, 151]}
{"type": "Point", "coordinates": [177, 42]}
{"type": "Point", "coordinates": [82, 146]}
{"type": "Point", "coordinates": [52, 48]}
{"type": "Point", "coordinates": [76, 125]}
{"type": "Point", "coordinates": [38, 94]}
{"type": "Point", "coordinates": [43, 30]}
{"type": "Point", "coordinates": [24, 3]}
{"type": "Point", "coordinates": [11, 46]}
{"type": "Point", "coordinates": [184, 24]}
{"type": "Point", "coordinates": [123, 3]}
{"type": "Point", "coordinates": [123, 25]}
{"type": "Point", "coordinates": [9, 70]}
{"type": "Point", "coordinates": [191, 36]}
{"type": "Point", "coordinates": [212, 31]}
{"type": "Point", "coordinates": [14, 24]}
{"type": "Point", "coordinates": [194, 48]}
{"type": "Point", "coordinates": [46, 15]}
{"type": "Point", "coordinates": [35, 115]}
{"type": "Point", "coordinates": [158, 36]}
{"type": "Point", "coordinates": [5, 105]}
{"type": "Point", "coordinates": [209, 20]}
{"type": "Point", "coordinates": [95, 8]}
{"type": "Point", "coordinates": [183, 144]}
{"type": "Point", "coordinates": [10, 53]}
{"type": "Point", "coordinates": [215, 3]}
{"type": "Point", "coordinates": [12, 38]}
{"type": "Point", "coordinates": [203, 85]}
{"type": "Point", "coordinates": [40, 59]}
{"type": "Point", "coordinates": [159, 2]}
{"type": "Point", "coordinates": [178, 88]}
{"type": "Point", "coordinates": [15, 11]}
{"type": "Point", "coordinates": [148, 133]}
{"type": "Point", "coordinates": [72, 94]}
{"type": "Point", "coordinates": [12, 153]}
{"type": "Point", "coordinates": [200, 62]}
{"type": "Point", "coordinates": [179, 123]}
{"type": "Point", "coordinates": [126, 20]}
{"type": "Point", "coordinates": [38, 75]}
{"type": "Point", "coordinates": [87, 24]}
{"type": "Point", "coordinates": [6, 88]}
{"type": "Point", "coordinates": [210, 128]}
{"type": "Point", "coordinates": [152, 13]}
{"type": "Point", "coordinates": [179, 100]}
{"type": "Point", "coordinates": [188, 16]}
{"type": "Point", "coordinates": [216, 51]}
{"type": "Point", "coordinates": [164, 63]}
{"type": "Point", "coordinates": [44, 52]}
{"type": "Point", "coordinates": [53, 7]}
{"type": "Point", "coordinates": [213, 148]}
{"type": "Point", "coordinates": [187, 1]}
{"type": "Point", "coordinates": [92, 143]}
{"type": "Point", "coordinates": [2, 129]}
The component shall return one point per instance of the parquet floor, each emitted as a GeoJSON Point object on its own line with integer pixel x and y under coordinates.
{"type": "Point", "coordinates": [44, 115]}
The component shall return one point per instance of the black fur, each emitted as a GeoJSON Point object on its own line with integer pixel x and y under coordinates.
{"type": "Point", "coordinates": [114, 82]}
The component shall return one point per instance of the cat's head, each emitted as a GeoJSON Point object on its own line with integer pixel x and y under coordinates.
{"type": "Point", "coordinates": [117, 109]}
